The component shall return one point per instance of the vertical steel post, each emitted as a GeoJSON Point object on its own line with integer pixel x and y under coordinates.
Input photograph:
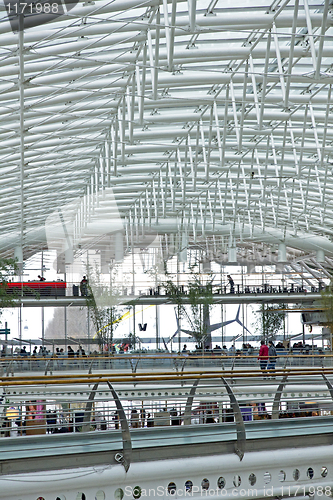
{"type": "Point", "coordinates": [65, 323]}
{"type": "Point", "coordinates": [157, 327]}
{"type": "Point", "coordinates": [133, 326]}
{"type": "Point", "coordinates": [21, 93]}
{"type": "Point", "coordinates": [88, 330]}
{"type": "Point", "coordinates": [6, 339]}
{"type": "Point", "coordinates": [43, 329]}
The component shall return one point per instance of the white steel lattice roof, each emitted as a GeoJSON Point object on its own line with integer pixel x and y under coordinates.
{"type": "Point", "coordinates": [208, 118]}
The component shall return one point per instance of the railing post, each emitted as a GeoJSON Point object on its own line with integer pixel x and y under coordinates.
{"type": "Point", "coordinates": [88, 408]}
{"type": "Point", "coordinates": [10, 368]}
{"type": "Point", "coordinates": [277, 398]}
{"type": "Point", "coordinates": [329, 385]}
{"type": "Point", "coordinates": [133, 364]}
{"type": "Point", "coordinates": [126, 456]}
{"type": "Point", "coordinates": [47, 366]}
{"type": "Point", "coordinates": [189, 402]}
{"type": "Point", "coordinates": [90, 367]}
{"type": "Point", "coordinates": [240, 427]}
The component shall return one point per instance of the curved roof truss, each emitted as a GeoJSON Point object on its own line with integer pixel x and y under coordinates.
{"type": "Point", "coordinates": [207, 118]}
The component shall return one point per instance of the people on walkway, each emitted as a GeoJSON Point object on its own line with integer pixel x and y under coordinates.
{"type": "Point", "coordinates": [80, 352]}
{"type": "Point", "coordinates": [135, 419]}
{"type": "Point", "coordinates": [23, 351]}
{"type": "Point", "coordinates": [272, 357]}
{"type": "Point", "coordinates": [70, 352]}
{"type": "Point", "coordinates": [175, 420]}
{"type": "Point", "coordinates": [231, 284]}
{"type": "Point", "coordinates": [232, 350]}
{"type": "Point", "coordinates": [51, 420]}
{"type": "Point", "coordinates": [150, 420]}
{"type": "Point", "coordinates": [116, 420]}
{"type": "Point", "coordinates": [84, 287]}
{"type": "Point", "coordinates": [263, 356]}
{"type": "Point", "coordinates": [209, 417]}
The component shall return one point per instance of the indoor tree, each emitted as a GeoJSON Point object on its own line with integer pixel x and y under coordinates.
{"type": "Point", "coordinates": [102, 302]}
{"type": "Point", "coordinates": [8, 268]}
{"type": "Point", "coordinates": [270, 320]}
{"type": "Point", "coordinates": [199, 299]}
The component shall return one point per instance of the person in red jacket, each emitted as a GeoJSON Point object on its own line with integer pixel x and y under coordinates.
{"type": "Point", "coordinates": [263, 356]}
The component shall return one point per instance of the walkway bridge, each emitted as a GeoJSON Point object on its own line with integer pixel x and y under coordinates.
{"type": "Point", "coordinates": [135, 363]}
{"type": "Point", "coordinates": [242, 295]}
{"type": "Point", "coordinates": [229, 433]}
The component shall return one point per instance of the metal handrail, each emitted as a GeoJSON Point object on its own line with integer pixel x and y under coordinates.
{"type": "Point", "coordinates": [152, 376]}
{"type": "Point", "coordinates": [163, 388]}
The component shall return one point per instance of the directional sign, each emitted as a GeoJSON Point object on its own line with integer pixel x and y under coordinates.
{"type": "Point", "coordinates": [4, 331]}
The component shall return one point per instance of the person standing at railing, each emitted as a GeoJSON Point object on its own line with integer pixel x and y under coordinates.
{"type": "Point", "coordinates": [135, 419]}
{"type": "Point", "coordinates": [116, 420]}
{"type": "Point", "coordinates": [209, 418]}
{"type": "Point", "coordinates": [84, 287]}
{"type": "Point", "coordinates": [232, 350]}
{"type": "Point", "coordinates": [80, 352]}
{"type": "Point", "coordinates": [263, 356]}
{"type": "Point", "coordinates": [104, 425]}
{"type": "Point", "coordinates": [23, 351]}
{"type": "Point", "coordinates": [70, 352]}
{"type": "Point", "coordinates": [272, 357]}
{"type": "Point", "coordinates": [231, 284]}
{"type": "Point", "coordinates": [51, 420]}
{"type": "Point", "coordinates": [150, 420]}
{"type": "Point", "coordinates": [175, 420]}
{"type": "Point", "coordinates": [185, 351]}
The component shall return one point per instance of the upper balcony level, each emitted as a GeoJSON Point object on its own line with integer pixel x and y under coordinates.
{"type": "Point", "coordinates": [61, 293]}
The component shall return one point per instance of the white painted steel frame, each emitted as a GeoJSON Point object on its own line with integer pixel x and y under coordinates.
{"type": "Point", "coordinates": [211, 118]}
{"type": "Point", "coordinates": [151, 474]}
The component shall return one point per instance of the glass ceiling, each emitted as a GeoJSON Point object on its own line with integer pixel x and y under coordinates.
{"type": "Point", "coordinates": [204, 122]}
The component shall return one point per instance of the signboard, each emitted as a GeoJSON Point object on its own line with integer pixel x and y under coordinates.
{"type": "Point", "coordinates": [312, 318]}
